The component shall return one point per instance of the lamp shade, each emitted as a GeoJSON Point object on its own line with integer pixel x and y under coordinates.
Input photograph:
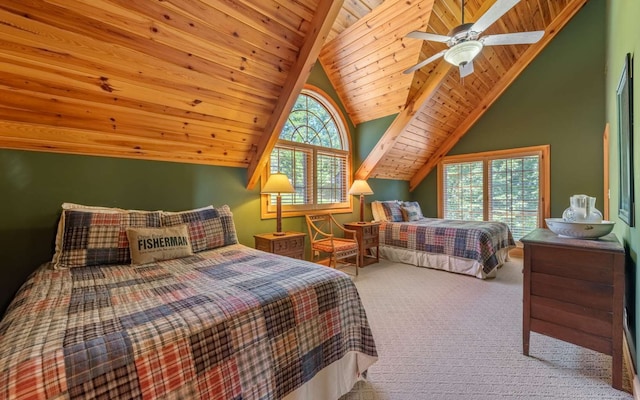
{"type": "Point", "coordinates": [360, 186]}
{"type": "Point", "coordinates": [278, 183]}
{"type": "Point", "coordinates": [463, 52]}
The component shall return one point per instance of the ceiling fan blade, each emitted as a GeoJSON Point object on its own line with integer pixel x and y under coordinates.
{"type": "Point", "coordinates": [497, 10]}
{"type": "Point", "coordinates": [425, 62]}
{"type": "Point", "coordinates": [466, 69]}
{"type": "Point", "coordinates": [428, 36]}
{"type": "Point", "coordinates": [512, 38]}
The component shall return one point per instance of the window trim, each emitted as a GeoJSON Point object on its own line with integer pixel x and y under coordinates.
{"type": "Point", "coordinates": [542, 151]}
{"type": "Point", "coordinates": [268, 210]}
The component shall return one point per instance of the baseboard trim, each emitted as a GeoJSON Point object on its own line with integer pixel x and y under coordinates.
{"type": "Point", "coordinates": [631, 371]}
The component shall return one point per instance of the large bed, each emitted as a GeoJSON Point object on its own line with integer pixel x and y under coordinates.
{"type": "Point", "coordinates": [476, 248]}
{"type": "Point", "coordinates": [220, 321]}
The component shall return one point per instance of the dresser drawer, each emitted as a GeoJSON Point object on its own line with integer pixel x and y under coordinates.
{"type": "Point", "coordinates": [370, 231]}
{"type": "Point", "coordinates": [291, 244]}
{"type": "Point", "coordinates": [573, 291]}
{"type": "Point", "coordinates": [368, 241]}
{"type": "Point", "coordinates": [286, 245]}
{"type": "Point", "coordinates": [572, 263]}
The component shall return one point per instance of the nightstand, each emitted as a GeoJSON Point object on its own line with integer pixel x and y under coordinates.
{"type": "Point", "coordinates": [367, 234]}
{"type": "Point", "coordinates": [291, 244]}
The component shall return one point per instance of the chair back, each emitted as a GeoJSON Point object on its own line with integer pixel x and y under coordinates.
{"type": "Point", "coordinates": [329, 237]}
{"type": "Point", "coordinates": [320, 226]}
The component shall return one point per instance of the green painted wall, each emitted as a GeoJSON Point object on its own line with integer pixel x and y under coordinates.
{"type": "Point", "coordinates": [558, 100]}
{"type": "Point", "coordinates": [622, 37]}
{"type": "Point", "coordinates": [367, 135]}
{"type": "Point", "coordinates": [427, 195]}
{"type": "Point", "coordinates": [34, 185]}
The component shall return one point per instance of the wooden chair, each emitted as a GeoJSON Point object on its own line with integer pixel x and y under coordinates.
{"type": "Point", "coordinates": [324, 242]}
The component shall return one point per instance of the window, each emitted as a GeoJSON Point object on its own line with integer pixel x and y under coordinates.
{"type": "Point", "coordinates": [313, 151]}
{"type": "Point", "coordinates": [510, 186]}
{"type": "Point", "coordinates": [464, 189]}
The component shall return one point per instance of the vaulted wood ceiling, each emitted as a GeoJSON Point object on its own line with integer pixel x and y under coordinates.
{"type": "Point", "coordinates": [212, 81]}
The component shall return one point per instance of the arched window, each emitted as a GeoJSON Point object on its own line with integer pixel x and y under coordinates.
{"type": "Point", "coordinates": [313, 151]}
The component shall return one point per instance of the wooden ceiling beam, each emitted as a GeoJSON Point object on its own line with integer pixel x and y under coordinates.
{"type": "Point", "coordinates": [320, 27]}
{"type": "Point", "coordinates": [403, 119]}
{"type": "Point", "coordinates": [552, 30]}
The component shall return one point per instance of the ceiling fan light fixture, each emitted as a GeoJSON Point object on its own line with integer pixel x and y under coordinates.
{"type": "Point", "coordinates": [463, 52]}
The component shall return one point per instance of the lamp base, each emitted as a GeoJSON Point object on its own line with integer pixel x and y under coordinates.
{"type": "Point", "coordinates": [279, 233]}
{"type": "Point", "coordinates": [361, 222]}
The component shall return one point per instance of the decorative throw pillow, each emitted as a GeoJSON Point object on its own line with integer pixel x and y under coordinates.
{"type": "Point", "coordinates": [411, 213]}
{"type": "Point", "coordinates": [208, 227]}
{"type": "Point", "coordinates": [156, 244]}
{"type": "Point", "coordinates": [392, 211]}
{"type": "Point", "coordinates": [99, 237]}
{"type": "Point", "coordinates": [376, 210]}
{"type": "Point", "coordinates": [77, 207]}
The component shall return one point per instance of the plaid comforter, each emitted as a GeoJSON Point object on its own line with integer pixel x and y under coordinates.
{"type": "Point", "coordinates": [476, 240]}
{"type": "Point", "coordinates": [231, 323]}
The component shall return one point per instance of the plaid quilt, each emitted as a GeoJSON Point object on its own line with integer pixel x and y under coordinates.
{"type": "Point", "coordinates": [229, 323]}
{"type": "Point", "coordinates": [477, 240]}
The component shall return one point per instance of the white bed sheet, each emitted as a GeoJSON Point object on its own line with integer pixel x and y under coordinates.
{"type": "Point", "coordinates": [335, 380]}
{"type": "Point", "coordinates": [442, 261]}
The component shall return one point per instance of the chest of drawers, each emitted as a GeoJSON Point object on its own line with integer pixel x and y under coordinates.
{"type": "Point", "coordinates": [574, 291]}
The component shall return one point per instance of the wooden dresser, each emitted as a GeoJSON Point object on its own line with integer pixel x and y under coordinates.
{"type": "Point", "coordinates": [574, 291]}
{"type": "Point", "coordinates": [291, 244]}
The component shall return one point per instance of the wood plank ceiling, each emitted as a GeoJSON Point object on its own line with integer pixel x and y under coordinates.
{"type": "Point", "coordinates": [212, 81]}
{"type": "Point", "coordinates": [437, 108]}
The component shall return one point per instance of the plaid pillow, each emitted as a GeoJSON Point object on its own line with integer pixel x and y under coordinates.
{"type": "Point", "coordinates": [98, 238]}
{"type": "Point", "coordinates": [411, 211]}
{"type": "Point", "coordinates": [208, 227]}
{"type": "Point", "coordinates": [77, 207]}
{"type": "Point", "coordinates": [392, 211]}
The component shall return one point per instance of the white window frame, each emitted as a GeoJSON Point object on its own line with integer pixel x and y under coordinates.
{"type": "Point", "coordinates": [267, 204]}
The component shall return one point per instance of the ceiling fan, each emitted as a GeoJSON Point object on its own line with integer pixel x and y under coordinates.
{"type": "Point", "coordinates": [465, 43]}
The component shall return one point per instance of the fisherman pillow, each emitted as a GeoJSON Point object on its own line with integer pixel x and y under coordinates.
{"type": "Point", "coordinates": [155, 244]}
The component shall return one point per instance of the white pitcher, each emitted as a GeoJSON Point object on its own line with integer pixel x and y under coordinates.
{"type": "Point", "coordinates": [582, 209]}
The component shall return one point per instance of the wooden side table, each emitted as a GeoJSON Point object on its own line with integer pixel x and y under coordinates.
{"type": "Point", "coordinates": [291, 244]}
{"type": "Point", "coordinates": [574, 291]}
{"type": "Point", "coordinates": [367, 235]}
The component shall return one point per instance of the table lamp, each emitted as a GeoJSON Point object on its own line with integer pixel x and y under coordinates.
{"type": "Point", "coordinates": [360, 187]}
{"type": "Point", "coordinates": [276, 184]}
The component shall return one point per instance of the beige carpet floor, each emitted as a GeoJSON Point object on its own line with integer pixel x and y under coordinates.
{"type": "Point", "coordinates": [446, 336]}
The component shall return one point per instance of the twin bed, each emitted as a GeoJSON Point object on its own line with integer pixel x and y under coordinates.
{"type": "Point", "coordinates": [211, 320]}
{"type": "Point", "coordinates": [476, 248]}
